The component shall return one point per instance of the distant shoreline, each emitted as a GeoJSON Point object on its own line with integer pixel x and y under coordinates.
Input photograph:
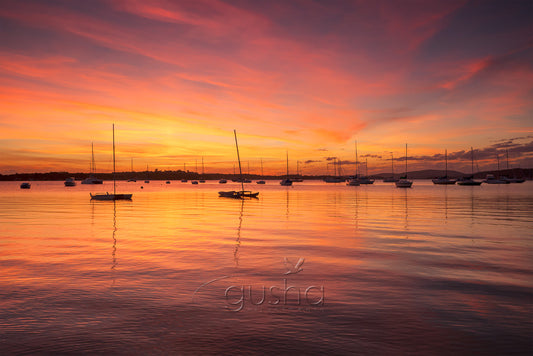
{"type": "Point", "coordinates": [526, 173]}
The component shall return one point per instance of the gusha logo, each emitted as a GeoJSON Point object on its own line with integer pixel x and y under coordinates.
{"type": "Point", "coordinates": [287, 295]}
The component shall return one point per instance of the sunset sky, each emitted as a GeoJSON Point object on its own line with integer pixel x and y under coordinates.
{"type": "Point", "coordinates": [310, 77]}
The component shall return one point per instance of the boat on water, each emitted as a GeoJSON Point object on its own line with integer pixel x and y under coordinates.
{"type": "Point", "coordinates": [194, 182]}
{"type": "Point", "coordinates": [92, 179]}
{"type": "Point", "coordinates": [184, 180]}
{"type": "Point", "coordinates": [512, 180]}
{"type": "Point", "coordinates": [261, 181]}
{"type": "Point", "coordinates": [336, 178]}
{"type": "Point", "coordinates": [353, 181]}
{"type": "Point", "coordinates": [491, 179]}
{"type": "Point", "coordinates": [239, 194]}
{"type": "Point", "coordinates": [242, 193]}
{"type": "Point", "coordinates": [70, 182]}
{"type": "Point", "coordinates": [469, 180]}
{"type": "Point", "coordinates": [391, 179]}
{"type": "Point", "coordinates": [25, 185]}
{"type": "Point", "coordinates": [365, 179]}
{"type": "Point", "coordinates": [147, 181]}
{"type": "Point", "coordinates": [112, 196]}
{"type": "Point", "coordinates": [167, 182]}
{"type": "Point", "coordinates": [444, 180]}
{"type": "Point", "coordinates": [132, 180]}
{"type": "Point", "coordinates": [222, 181]}
{"type": "Point", "coordinates": [298, 178]}
{"type": "Point", "coordinates": [403, 182]}
{"type": "Point", "coordinates": [287, 182]}
{"type": "Point", "coordinates": [202, 181]}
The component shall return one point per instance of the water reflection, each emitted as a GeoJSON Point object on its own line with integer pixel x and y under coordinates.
{"type": "Point", "coordinates": [55, 268]}
{"type": "Point", "coordinates": [114, 249]}
{"type": "Point", "coordinates": [406, 213]}
{"type": "Point", "coordinates": [238, 241]}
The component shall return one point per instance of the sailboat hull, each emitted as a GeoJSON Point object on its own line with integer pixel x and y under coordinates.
{"type": "Point", "coordinates": [238, 195]}
{"type": "Point", "coordinates": [468, 182]}
{"type": "Point", "coordinates": [108, 196]}
{"type": "Point", "coordinates": [404, 183]}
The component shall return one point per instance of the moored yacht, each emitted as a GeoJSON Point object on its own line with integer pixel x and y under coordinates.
{"type": "Point", "coordinates": [445, 179]}
{"type": "Point", "coordinates": [469, 180]}
{"type": "Point", "coordinates": [404, 182]}
{"type": "Point", "coordinates": [491, 179]}
{"type": "Point", "coordinates": [70, 182]}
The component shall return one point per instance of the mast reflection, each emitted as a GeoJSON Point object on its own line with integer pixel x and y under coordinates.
{"type": "Point", "coordinates": [238, 241]}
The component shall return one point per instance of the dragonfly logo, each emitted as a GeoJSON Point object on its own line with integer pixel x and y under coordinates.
{"type": "Point", "coordinates": [293, 269]}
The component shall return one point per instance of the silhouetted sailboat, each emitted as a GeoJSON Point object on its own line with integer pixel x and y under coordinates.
{"type": "Point", "coordinates": [445, 179]}
{"type": "Point", "coordinates": [114, 196]}
{"type": "Point", "coordinates": [354, 182]}
{"type": "Point", "coordinates": [243, 193]}
{"type": "Point", "coordinates": [491, 179]}
{"type": "Point", "coordinates": [298, 177]}
{"type": "Point", "coordinates": [514, 179]}
{"type": "Point", "coordinates": [391, 179]}
{"type": "Point", "coordinates": [469, 180]}
{"type": "Point", "coordinates": [287, 181]}
{"type": "Point", "coordinates": [336, 178]}
{"type": "Point", "coordinates": [92, 179]}
{"type": "Point", "coordinates": [261, 181]}
{"type": "Point", "coordinates": [404, 182]}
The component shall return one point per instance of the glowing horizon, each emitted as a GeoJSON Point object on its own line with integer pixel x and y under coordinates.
{"type": "Point", "coordinates": [176, 78]}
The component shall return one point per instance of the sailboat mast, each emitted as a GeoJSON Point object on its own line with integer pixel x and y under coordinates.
{"type": "Point", "coordinates": [287, 164]}
{"type": "Point", "coordinates": [239, 158]}
{"type": "Point", "coordinates": [114, 178]}
{"type": "Point", "coordinates": [446, 160]}
{"type": "Point", "coordinates": [507, 153]}
{"type": "Point", "coordinates": [356, 162]}
{"type": "Point", "coordinates": [406, 161]}
{"type": "Point", "coordinates": [93, 168]}
{"type": "Point", "coordinates": [392, 163]}
{"type": "Point", "coordinates": [472, 154]}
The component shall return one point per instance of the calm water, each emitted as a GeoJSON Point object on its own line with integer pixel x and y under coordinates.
{"type": "Point", "coordinates": [178, 270]}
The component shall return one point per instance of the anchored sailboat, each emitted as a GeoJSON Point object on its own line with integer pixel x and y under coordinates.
{"type": "Point", "coordinates": [469, 180]}
{"type": "Point", "coordinates": [354, 182]}
{"type": "Point", "coordinates": [404, 182]}
{"type": "Point", "coordinates": [92, 179]}
{"type": "Point", "coordinates": [391, 179]}
{"type": "Point", "coordinates": [114, 196]}
{"type": "Point", "coordinates": [287, 182]}
{"type": "Point", "coordinates": [261, 181]}
{"type": "Point", "coordinates": [445, 179]}
{"type": "Point", "coordinates": [243, 193]}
